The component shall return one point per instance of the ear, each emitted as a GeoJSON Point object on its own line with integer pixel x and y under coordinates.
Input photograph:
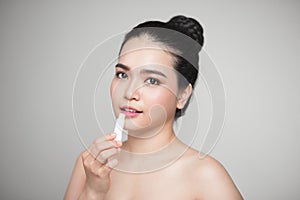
{"type": "Point", "coordinates": [183, 96]}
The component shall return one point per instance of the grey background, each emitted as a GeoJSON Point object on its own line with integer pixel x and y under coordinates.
{"type": "Point", "coordinates": [254, 44]}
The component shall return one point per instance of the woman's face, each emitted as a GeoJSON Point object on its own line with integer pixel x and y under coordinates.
{"type": "Point", "coordinates": [144, 87]}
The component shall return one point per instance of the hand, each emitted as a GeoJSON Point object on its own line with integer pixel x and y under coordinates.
{"type": "Point", "coordinates": [98, 163]}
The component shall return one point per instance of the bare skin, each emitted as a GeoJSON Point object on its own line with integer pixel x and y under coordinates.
{"type": "Point", "coordinates": [188, 178]}
{"type": "Point", "coordinates": [91, 175]}
{"type": "Point", "coordinates": [96, 174]}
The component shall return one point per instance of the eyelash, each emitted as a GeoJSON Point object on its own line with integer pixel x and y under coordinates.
{"type": "Point", "coordinates": [157, 82]}
{"type": "Point", "coordinates": [147, 81]}
{"type": "Point", "coordinates": [121, 73]}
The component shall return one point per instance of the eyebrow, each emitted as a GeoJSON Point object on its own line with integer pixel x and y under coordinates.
{"type": "Point", "coordinates": [122, 66]}
{"type": "Point", "coordinates": [143, 71]}
{"type": "Point", "coordinates": [150, 71]}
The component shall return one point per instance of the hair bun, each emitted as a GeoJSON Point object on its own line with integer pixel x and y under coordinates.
{"type": "Point", "coordinates": [187, 26]}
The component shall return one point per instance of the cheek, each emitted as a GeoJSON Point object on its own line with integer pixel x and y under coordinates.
{"type": "Point", "coordinates": [112, 88]}
{"type": "Point", "coordinates": [164, 98]}
{"type": "Point", "coordinates": [114, 93]}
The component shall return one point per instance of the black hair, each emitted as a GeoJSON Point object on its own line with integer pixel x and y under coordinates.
{"type": "Point", "coordinates": [182, 34]}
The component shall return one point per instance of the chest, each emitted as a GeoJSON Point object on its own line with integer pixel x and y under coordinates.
{"type": "Point", "coordinates": [149, 186]}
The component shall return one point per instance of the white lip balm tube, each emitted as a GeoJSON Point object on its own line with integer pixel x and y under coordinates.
{"type": "Point", "coordinates": [119, 127]}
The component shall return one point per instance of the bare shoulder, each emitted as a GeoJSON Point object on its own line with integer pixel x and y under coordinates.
{"type": "Point", "coordinates": [77, 180]}
{"type": "Point", "coordinates": [210, 178]}
{"type": "Point", "coordinates": [206, 167]}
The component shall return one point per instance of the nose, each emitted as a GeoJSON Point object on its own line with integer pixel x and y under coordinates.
{"type": "Point", "coordinates": [132, 91]}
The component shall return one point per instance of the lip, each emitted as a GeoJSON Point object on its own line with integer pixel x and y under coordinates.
{"type": "Point", "coordinates": [130, 114]}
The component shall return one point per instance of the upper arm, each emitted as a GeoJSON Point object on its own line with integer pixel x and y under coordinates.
{"type": "Point", "coordinates": [216, 183]}
{"type": "Point", "coordinates": [77, 181]}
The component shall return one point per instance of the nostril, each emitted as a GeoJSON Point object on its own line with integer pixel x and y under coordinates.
{"type": "Point", "coordinates": [132, 95]}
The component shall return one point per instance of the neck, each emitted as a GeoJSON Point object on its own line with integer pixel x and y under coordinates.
{"type": "Point", "coordinates": [153, 143]}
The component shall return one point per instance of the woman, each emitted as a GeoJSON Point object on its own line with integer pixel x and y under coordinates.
{"type": "Point", "coordinates": [155, 75]}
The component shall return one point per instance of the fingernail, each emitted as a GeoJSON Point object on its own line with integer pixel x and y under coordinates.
{"type": "Point", "coordinates": [112, 135]}
{"type": "Point", "coordinates": [118, 143]}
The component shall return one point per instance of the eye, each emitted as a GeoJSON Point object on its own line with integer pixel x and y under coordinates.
{"type": "Point", "coordinates": [121, 75]}
{"type": "Point", "coordinates": [152, 81]}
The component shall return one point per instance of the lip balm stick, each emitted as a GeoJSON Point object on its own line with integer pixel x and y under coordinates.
{"type": "Point", "coordinates": [119, 127]}
{"type": "Point", "coordinates": [124, 135]}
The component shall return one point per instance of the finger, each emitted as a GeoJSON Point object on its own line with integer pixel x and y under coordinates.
{"type": "Point", "coordinates": [87, 158]}
{"type": "Point", "coordinates": [106, 154]}
{"type": "Point", "coordinates": [88, 162]}
{"type": "Point", "coordinates": [111, 163]}
{"type": "Point", "coordinates": [105, 170]}
{"type": "Point", "coordinates": [107, 137]}
{"type": "Point", "coordinates": [96, 148]}
{"type": "Point", "coordinates": [85, 154]}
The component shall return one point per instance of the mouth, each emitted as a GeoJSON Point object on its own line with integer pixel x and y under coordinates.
{"type": "Point", "coordinates": [130, 111]}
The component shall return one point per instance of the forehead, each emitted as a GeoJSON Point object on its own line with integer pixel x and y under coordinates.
{"type": "Point", "coordinates": [140, 51]}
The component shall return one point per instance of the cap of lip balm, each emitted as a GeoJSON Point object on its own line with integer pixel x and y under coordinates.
{"type": "Point", "coordinates": [119, 128]}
